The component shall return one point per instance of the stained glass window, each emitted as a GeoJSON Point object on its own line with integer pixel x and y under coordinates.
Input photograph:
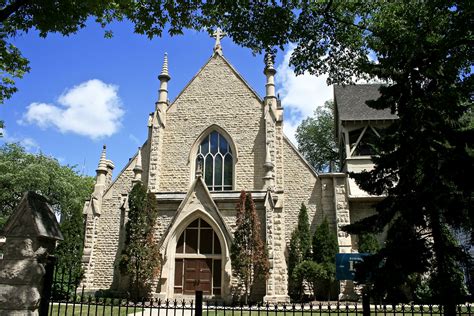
{"type": "Point", "coordinates": [215, 159]}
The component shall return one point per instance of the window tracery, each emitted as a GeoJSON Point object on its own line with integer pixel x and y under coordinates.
{"type": "Point", "coordinates": [214, 160]}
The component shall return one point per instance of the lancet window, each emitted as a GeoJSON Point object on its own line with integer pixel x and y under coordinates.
{"type": "Point", "coordinates": [215, 161]}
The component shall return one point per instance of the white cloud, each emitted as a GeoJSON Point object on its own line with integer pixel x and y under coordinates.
{"type": "Point", "coordinates": [28, 143]}
{"type": "Point", "coordinates": [92, 108]}
{"type": "Point", "coordinates": [300, 95]}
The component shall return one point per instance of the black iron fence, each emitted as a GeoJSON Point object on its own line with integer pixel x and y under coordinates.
{"type": "Point", "coordinates": [65, 298]}
{"type": "Point", "coordinates": [89, 305]}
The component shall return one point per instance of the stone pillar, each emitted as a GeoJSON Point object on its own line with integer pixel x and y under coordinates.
{"type": "Point", "coordinates": [30, 236]}
{"type": "Point", "coordinates": [343, 218]}
{"type": "Point", "coordinates": [156, 124]}
{"type": "Point", "coordinates": [277, 283]}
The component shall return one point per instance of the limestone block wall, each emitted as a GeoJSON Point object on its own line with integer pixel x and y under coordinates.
{"type": "Point", "coordinates": [328, 207]}
{"type": "Point", "coordinates": [342, 213]}
{"type": "Point", "coordinates": [301, 186]}
{"type": "Point", "coordinates": [109, 230]}
{"type": "Point", "coordinates": [154, 154]}
{"type": "Point", "coordinates": [215, 96]}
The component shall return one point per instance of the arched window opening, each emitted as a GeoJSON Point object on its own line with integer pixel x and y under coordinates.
{"type": "Point", "coordinates": [214, 159]}
{"type": "Point", "coordinates": [198, 263]}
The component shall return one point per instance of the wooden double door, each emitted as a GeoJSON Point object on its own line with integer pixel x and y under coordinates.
{"type": "Point", "coordinates": [198, 276]}
{"type": "Point", "coordinates": [193, 275]}
{"type": "Point", "coordinates": [198, 262]}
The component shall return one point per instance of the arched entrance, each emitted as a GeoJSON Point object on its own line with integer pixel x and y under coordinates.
{"type": "Point", "coordinates": [198, 260]}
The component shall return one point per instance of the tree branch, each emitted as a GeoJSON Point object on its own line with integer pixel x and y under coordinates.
{"type": "Point", "coordinates": [328, 15]}
{"type": "Point", "coordinates": [11, 8]}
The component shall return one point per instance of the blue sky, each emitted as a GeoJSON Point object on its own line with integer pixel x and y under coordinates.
{"type": "Point", "coordinates": [84, 91]}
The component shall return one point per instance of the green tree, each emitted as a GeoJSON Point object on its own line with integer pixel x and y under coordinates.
{"type": "Point", "coordinates": [310, 273]}
{"type": "Point", "coordinates": [325, 248]}
{"type": "Point", "coordinates": [299, 250]}
{"type": "Point", "coordinates": [65, 190]}
{"type": "Point", "coordinates": [316, 139]}
{"type": "Point", "coordinates": [294, 259]}
{"type": "Point", "coordinates": [69, 253]}
{"type": "Point", "coordinates": [424, 51]}
{"type": "Point", "coordinates": [248, 255]}
{"type": "Point", "coordinates": [304, 233]}
{"type": "Point", "coordinates": [368, 243]}
{"type": "Point", "coordinates": [20, 171]}
{"type": "Point", "coordinates": [140, 258]}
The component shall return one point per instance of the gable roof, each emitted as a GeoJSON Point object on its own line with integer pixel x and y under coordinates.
{"type": "Point", "coordinates": [237, 74]}
{"type": "Point", "coordinates": [350, 103]}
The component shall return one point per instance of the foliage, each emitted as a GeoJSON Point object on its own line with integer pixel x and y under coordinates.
{"type": "Point", "coordinates": [65, 190]}
{"type": "Point", "coordinates": [368, 243]}
{"type": "Point", "coordinates": [248, 254]}
{"type": "Point", "coordinates": [299, 250]}
{"type": "Point", "coordinates": [325, 245]}
{"type": "Point", "coordinates": [20, 171]}
{"type": "Point", "coordinates": [149, 18]}
{"type": "Point", "coordinates": [424, 52]}
{"type": "Point", "coordinates": [310, 273]}
{"type": "Point", "coordinates": [140, 258]}
{"type": "Point", "coordinates": [69, 253]}
{"type": "Point", "coordinates": [424, 156]}
{"type": "Point", "coordinates": [294, 259]}
{"type": "Point", "coordinates": [316, 139]}
{"type": "Point", "coordinates": [304, 232]}
{"type": "Point", "coordinates": [67, 17]}
{"type": "Point", "coordinates": [325, 248]}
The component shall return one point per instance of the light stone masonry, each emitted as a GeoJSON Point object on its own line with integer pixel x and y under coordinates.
{"type": "Point", "coordinates": [264, 162]}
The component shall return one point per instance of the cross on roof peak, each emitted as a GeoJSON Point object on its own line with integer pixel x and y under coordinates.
{"type": "Point", "coordinates": [218, 34]}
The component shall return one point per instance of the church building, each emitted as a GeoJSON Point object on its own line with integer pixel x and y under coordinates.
{"type": "Point", "coordinates": [216, 138]}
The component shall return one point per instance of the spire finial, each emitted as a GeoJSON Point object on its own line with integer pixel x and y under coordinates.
{"type": "Point", "coordinates": [270, 72]}
{"type": "Point", "coordinates": [138, 160]}
{"type": "Point", "coordinates": [137, 170]}
{"type": "Point", "coordinates": [103, 160]}
{"type": "Point", "coordinates": [218, 35]}
{"type": "Point", "coordinates": [164, 71]}
{"type": "Point", "coordinates": [269, 58]}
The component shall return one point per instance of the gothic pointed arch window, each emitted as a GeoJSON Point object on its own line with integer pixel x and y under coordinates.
{"type": "Point", "coordinates": [215, 161]}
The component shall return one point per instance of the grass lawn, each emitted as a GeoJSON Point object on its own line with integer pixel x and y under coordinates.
{"type": "Point", "coordinates": [418, 311]}
{"type": "Point", "coordinates": [114, 310]}
{"type": "Point", "coordinates": [91, 310]}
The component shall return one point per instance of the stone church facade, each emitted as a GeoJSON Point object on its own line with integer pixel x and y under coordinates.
{"type": "Point", "coordinates": [216, 138]}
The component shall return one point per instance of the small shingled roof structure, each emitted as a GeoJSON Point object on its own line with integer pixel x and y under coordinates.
{"type": "Point", "coordinates": [33, 217]}
{"type": "Point", "coordinates": [349, 102]}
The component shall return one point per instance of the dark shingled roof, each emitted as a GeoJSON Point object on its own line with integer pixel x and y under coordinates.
{"type": "Point", "coordinates": [350, 103]}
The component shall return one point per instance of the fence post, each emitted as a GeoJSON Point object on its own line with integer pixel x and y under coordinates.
{"type": "Point", "coordinates": [198, 311]}
{"type": "Point", "coordinates": [365, 303]}
{"type": "Point", "coordinates": [47, 285]}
